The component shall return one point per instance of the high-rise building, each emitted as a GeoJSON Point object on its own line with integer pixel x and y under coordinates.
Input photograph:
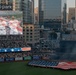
{"type": "Point", "coordinates": [32, 35]}
{"type": "Point", "coordinates": [71, 9]}
{"type": "Point", "coordinates": [71, 14]}
{"type": "Point", "coordinates": [54, 9]}
{"type": "Point", "coordinates": [65, 13]}
{"type": "Point", "coordinates": [31, 28]}
{"type": "Point", "coordinates": [16, 5]}
{"type": "Point", "coordinates": [41, 12]}
{"type": "Point", "coordinates": [28, 11]}
{"type": "Point", "coordinates": [36, 18]}
{"type": "Point", "coordinates": [52, 12]}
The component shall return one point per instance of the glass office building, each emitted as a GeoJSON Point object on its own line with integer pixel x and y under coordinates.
{"type": "Point", "coordinates": [52, 14]}
{"type": "Point", "coordinates": [41, 12]}
{"type": "Point", "coordinates": [28, 11]}
{"type": "Point", "coordinates": [52, 9]}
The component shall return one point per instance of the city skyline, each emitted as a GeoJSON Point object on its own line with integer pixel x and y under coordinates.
{"type": "Point", "coordinates": [70, 2]}
{"type": "Point", "coordinates": [54, 8]}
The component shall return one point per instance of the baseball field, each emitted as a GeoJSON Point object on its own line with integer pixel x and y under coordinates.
{"type": "Point", "coordinates": [21, 68]}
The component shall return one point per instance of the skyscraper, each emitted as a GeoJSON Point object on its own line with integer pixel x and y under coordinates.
{"type": "Point", "coordinates": [71, 14]}
{"type": "Point", "coordinates": [64, 13]}
{"type": "Point", "coordinates": [41, 12]}
{"type": "Point", "coordinates": [31, 28]}
{"type": "Point", "coordinates": [52, 10]}
{"type": "Point", "coordinates": [16, 5]}
{"type": "Point", "coordinates": [28, 11]}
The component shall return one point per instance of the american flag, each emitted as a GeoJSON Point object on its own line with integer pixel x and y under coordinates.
{"type": "Point", "coordinates": [66, 65]}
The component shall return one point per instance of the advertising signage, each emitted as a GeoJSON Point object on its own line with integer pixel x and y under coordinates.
{"type": "Point", "coordinates": [6, 6]}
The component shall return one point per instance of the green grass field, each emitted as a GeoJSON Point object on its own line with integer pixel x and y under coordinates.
{"type": "Point", "coordinates": [21, 68]}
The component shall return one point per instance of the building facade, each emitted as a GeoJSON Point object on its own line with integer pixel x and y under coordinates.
{"type": "Point", "coordinates": [14, 4]}
{"type": "Point", "coordinates": [71, 14]}
{"type": "Point", "coordinates": [28, 11]}
{"type": "Point", "coordinates": [32, 35]}
{"type": "Point", "coordinates": [6, 1]}
{"type": "Point", "coordinates": [52, 14]}
{"type": "Point", "coordinates": [41, 12]}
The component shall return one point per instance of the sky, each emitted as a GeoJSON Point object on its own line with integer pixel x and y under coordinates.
{"type": "Point", "coordinates": [36, 3]}
{"type": "Point", "coordinates": [71, 3]}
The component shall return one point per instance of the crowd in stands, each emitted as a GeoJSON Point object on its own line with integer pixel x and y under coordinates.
{"type": "Point", "coordinates": [11, 37]}
{"type": "Point", "coordinates": [7, 42]}
{"type": "Point", "coordinates": [14, 54]}
{"type": "Point", "coordinates": [11, 41]}
{"type": "Point", "coordinates": [12, 44]}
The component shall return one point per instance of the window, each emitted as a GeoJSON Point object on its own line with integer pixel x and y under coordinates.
{"type": "Point", "coordinates": [27, 39]}
{"type": "Point", "coordinates": [30, 39]}
{"type": "Point", "coordinates": [30, 36]}
{"type": "Point", "coordinates": [27, 29]}
{"type": "Point", "coordinates": [30, 33]}
{"type": "Point", "coordinates": [31, 27]}
{"type": "Point", "coordinates": [27, 33]}
{"type": "Point", "coordinates": [27, 36]}
{"type": "Point", "coordinates": [31, 30]}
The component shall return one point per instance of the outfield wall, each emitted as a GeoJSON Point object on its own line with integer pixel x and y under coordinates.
{"type": "Point", "coordinates": [7, 59]}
